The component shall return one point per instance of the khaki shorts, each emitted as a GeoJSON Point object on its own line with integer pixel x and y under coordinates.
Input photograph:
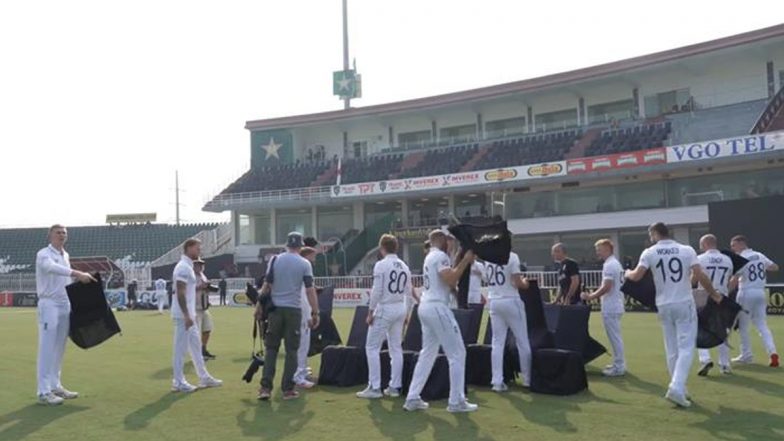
{"type": "Point", "coordinates": [204, 321]}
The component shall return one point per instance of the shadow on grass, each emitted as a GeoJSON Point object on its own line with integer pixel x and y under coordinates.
{"type": "Point", "coordinates": [28, 420]}
{"type": "Point", "coordinates": [396, 424]}
{"type": "Point", "coordinates": [551, 410]}
{"type": "Point", "coordinates": [741, 424]}
{"type": "Point", "coordinates": [775, 389]}
{"type": "Point", "coordinates": [166, 373]}
{"type": "Point", "coordinates": [631, 381]}
{"type": "Point", "coordinates": [274, 419]}
{"type": "Point", "coordinates": [140, 418]}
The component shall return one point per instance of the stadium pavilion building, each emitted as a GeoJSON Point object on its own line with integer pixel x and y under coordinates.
{"type": "Point", "coordinates": [596, 152]}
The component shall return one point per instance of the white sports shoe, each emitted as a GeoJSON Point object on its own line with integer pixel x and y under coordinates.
{"type": "Point", "coordinates": [500, 387]}
{"type": "Point", "coordinates": [65, 394]}
{"type": "Point", "coordinates": [740, 359]}
{"type": "Point", "coordinates": [393, 392]}
{"type": "Point", "coordinates": [305, 384]}
{"type": "Point", "coordinates": [370, 393]}
{"type": "Point", "coordinates": [725, 369]}
{"type": "Point", "coordinates": [614, 371]}
{"type": "Point", "coordinates": [462, 407]}
{"type": "Point", "coordinates": [208, 382]}
{"type": "Point", "coordinates": [678, 399]}
{"type": "Point", "coordinates": [184, 388]}
{"type": "Point", "coordinates": [49, 399]}
{"type": "Point", "coordinates": [413, 405]}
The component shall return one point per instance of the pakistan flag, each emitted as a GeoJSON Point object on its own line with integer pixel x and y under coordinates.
{"type": "Point", "coordinates": [271, 147]}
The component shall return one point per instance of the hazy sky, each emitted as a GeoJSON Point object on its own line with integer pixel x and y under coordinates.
{"type": "Point", "coordinates": [101, 101]}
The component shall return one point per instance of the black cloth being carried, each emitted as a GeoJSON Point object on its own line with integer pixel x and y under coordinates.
{"type": "Point", "coordinates": [491, 243]}
{"type": "Point", "coordinates": [92, 321]}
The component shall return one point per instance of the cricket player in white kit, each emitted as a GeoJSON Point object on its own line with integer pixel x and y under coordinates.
{"type": "Point", "coordinates": [187, 336]}
{"type": "Point", "coordinates": [52, 274]}
{"type": "Point", "coordinates": [611, 297]}
{"type": "Point", "coordinates": [390, 297]}
{"type": "Point", "coordinates": [475, 283]}
{"type": "Point", "coordinates": [303, 371]}
{"type": "Point", "coordinates": [718, 268]}
{"type": "Point", "coordinates": [507, 311]}
{"type": "Point", "coordinates": [673, 265]}
{"type": "Point", "coordinates": [751, 296]}
{"type": "Point", "coordinates": [439, 327]}
{"type": "Point", "coordinates": [160, 295]}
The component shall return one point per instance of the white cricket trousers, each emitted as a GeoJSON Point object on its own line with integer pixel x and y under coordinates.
{"type": "Point", "coordinates": [439, 328]}
{"type": "Point", "coordinates": [53, 327]}
{"type": "Point", "coordinates": [679, 323]}
{"type": "Point", "coordinates": [187, 340]}
{"type": "Point", "coordinates": [301, 374]}
{"type": "Point", "coordinates": [755, 303]}
{"type": "Point", "coordinates": [612, 326]}
{"type": "Point", "coordinates": [724, 355]}
{"type": "Point", "coordinates": [509, 313]}
{"type": "Point", "coordinates": [387, 325]}
{"type": "Point", "coordinates": [162, 299]}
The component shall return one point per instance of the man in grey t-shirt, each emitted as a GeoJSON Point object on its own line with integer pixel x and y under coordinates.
{"type": "Point", "coordinates": [288, 272]}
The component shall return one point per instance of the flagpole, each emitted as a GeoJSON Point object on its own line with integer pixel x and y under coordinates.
{"type": "Point", "coordinates": [347, 99]}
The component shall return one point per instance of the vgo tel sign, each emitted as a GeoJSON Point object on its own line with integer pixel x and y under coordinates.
{"type": "Point", "coordinates": [726, 148]}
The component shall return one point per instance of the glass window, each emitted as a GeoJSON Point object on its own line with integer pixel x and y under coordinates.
{"type": "Point", "coordinates": [631, 245]}
{"type": "Point", "coordinates": [470, 205]}
{"type": "Point", "coordinates": [244, 230]}
{"type": "Point", "coordinates": [588, 200]}
{"type": "Point", "coordinates": [534, 251]}
{"type": "Point", "coordinates": [606, 112]}
{"type": "Point", "coordinates": [525, 205]}
{"type": "Point", "coordinates": [704, 189]}
{"type": "Point", "coordinates": [505, 127]}
{"type": "Point", "coordinates": [427, 211]}
{"type": "Point", "coordinates": [556, 120]}
{"type": "Point", "coordinates": [262, 229]}
{"type": "Point", "coordinates": [414, 138]}
{"type": "Point", "coordinates": [467, 131]}
{"type": "Point", "coordinates": [695, 233]}
{"type": "Point", "coordinates": [293, 220]}
{"type": "Point", "coordinates": [375, 211]}
{"type": "Point", "coordinates": [668, 102]}
{"type": "Point", "coordinates": [640, 195]}
{"type": "Point", "coordinates": [580, 248]}
{"type": "Point", "coordinates": [334, 221]}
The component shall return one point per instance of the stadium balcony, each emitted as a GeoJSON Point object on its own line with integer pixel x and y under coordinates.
{"type": "Point", "coordinates": [137, 243]}
{"type": "Point", "coordinates": [370, 169]}
{"type": "Point", "coordinates": [528, 149]}
{"type": "Point", "coordinates": [629, 139]}
{"type": "Point", "coordinates": [772, 118]}
{"type": "Point", "coordinates": [715, 122]}
{"type": "Point", "coordinates": [279, 177]}
{"type": "Point", "coordinates": [442, 161]}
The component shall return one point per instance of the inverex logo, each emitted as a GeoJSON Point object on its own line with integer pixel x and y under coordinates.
{"type": "Point", "coordinates": [722, 148]}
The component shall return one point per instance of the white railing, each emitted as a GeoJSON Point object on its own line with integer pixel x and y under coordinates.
{"type": "Point", "coordinates": [546, 279]}
{"type": "Point", "coordinates": [254, 197]}
{"type": "Point", "coordinates": [17, 282]}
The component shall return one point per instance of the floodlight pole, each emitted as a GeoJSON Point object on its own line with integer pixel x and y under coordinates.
{"type": "Point", "coordinates": [347, 99]}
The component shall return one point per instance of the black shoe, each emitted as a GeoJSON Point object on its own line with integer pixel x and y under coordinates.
{"type": "Point", "coordinates": [207, 356]}
{"type": "Point", "coordinates": [705, 369]}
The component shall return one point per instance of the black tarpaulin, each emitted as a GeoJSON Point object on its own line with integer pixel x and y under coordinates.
{"type": "Point", "coordinates": [715, 321]}
{"type": "Point", "coordinates": [738, 261]}
{"type": "Point", "coordinates": [491, 243]}
{"type": "Point", "coordinates": [92, 321]}
{"type": "Point", "coordinates": [644, 290]}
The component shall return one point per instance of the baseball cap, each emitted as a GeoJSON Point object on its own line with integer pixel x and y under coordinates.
{"type": "Point", "coordinates": [294, 240]}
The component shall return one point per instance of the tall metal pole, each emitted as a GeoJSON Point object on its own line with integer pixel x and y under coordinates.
{"type": "Point", "coordinates": [177, 195]}
{"type": "Point", "coordinates": [347, 100]}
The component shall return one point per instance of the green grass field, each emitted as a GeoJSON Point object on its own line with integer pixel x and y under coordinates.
{"type": "Point", "coordinates": [125, 395]}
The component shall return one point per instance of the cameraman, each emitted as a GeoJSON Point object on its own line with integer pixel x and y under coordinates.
{"type": "Point", "coordinates": [287, 274]}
